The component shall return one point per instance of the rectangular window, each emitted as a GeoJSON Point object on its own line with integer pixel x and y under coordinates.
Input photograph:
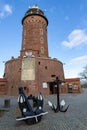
{"type": "Point", "coordinates": [41, 31]}
{"type": "Point", "coordinates": [75, 86]}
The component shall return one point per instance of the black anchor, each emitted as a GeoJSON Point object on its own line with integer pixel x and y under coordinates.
{"type": "Point", "coordinates": [59, 107]}
{"type": "Point", "coordinates": [29, 115]}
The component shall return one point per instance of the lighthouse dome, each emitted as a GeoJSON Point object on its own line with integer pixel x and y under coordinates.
{"type": "Point", "coordinates": [34, 10]}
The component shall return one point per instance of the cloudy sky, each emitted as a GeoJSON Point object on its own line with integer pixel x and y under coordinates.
{"type": "Point", "coordinates": [67, 31]}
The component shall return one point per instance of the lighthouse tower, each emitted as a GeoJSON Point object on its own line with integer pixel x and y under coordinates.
{"type": "Point", "coordinates": [34, 37]}
{"type": "Point", "coordinates": [34, 70]}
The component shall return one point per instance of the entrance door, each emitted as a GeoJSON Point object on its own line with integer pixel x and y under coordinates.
{"type": "Point", "coordinates": [69, 88]}
{"type": "Point", "coordinates": [52, 88]}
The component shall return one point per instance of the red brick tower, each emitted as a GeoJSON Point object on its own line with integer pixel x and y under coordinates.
{"type": "Point", "coordinates": [34, 70]}
{"type": "Point", "coordinates": [34, 37]}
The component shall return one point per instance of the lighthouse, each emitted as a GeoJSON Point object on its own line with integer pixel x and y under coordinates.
{"type": "Point", "coordinates": [33, 69]}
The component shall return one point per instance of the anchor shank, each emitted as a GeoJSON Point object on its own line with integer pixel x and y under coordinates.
{"type": "Point", "coordinates": [58, 98]}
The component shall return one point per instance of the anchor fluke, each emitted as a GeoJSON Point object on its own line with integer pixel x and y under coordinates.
{"type": "Point", "coordinates": [53, 106]}
{"type": "Point", "coordinates": [62, 103]}
{"type": "Point", "coordinates": [64, 110]}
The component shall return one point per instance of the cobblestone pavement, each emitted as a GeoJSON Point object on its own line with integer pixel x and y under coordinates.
{"type": "Point", "coordinates": [74, 119]}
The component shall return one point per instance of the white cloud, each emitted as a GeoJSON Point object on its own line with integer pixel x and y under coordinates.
{"type": "Point", "coordinates": [6, 11]}
{"type": "Point", "coordinates": [75, 66]}
{"type": "Point", "coordinates": [72, 72]}
{"type": "Point", "coordinates": [76, 37]}
{"type": "Point", "coordinates": [79, 60]}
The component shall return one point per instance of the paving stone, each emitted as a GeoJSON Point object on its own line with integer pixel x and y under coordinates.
{"type": "Point", "coordinates": [74, 119]}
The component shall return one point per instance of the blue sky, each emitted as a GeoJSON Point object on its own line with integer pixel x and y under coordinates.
{"type": "Point", "coordinates": [67, 31]}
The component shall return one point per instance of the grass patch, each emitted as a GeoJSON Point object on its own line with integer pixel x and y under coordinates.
{"type": "Point", "coordinates": [2, 112]}
{"type": "Point", "coordinates": [84, 86]}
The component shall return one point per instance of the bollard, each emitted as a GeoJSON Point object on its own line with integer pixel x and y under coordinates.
{"type": "Point", "coordinates": [7, 103]}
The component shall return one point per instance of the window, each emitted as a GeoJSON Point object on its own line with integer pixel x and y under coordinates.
{"type": "Point", "coordinates": [25, 88]}
{"type": "Point", "coordinates": [39, 62]}
{"type": "Point", "coordinates": [46, 67]}
{"type": "Point", "coordinates": [41, 31]}
{"type": "Point", "coordinates": [42, 50]}
{"type": "Point", "coordinates": [19, 69]}
{"type": "Point", "coordinates": [69, 85]}
{"type": "Point", "coordinates": [41, 40]}
{"type": "Point", "coordinates": [53, 75]}
{"type": "Point", "coordinates": [75, 86]}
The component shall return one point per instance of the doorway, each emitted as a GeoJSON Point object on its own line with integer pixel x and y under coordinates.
{"type": "Point", "coordinates": [69, 88]}
{"type": "Point", "coordinates": [52, 88]}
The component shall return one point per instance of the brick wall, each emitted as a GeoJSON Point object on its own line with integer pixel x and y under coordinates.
{"type": "Point", "coordinates": [45, 68]}
{"type": "Point", "coordinates": [3, 86]}
{"type": "Point", "coordinates": [34, 36]}
{"type": "Point", "coordinates": [72, 85]}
